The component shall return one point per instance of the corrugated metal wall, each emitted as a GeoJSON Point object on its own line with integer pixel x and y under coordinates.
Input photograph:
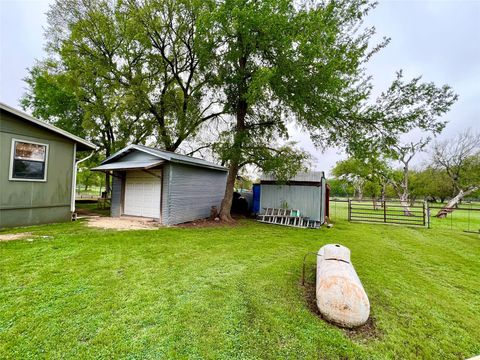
{"type": "Point", "coordinates": [307, 199]}
{"type": "Point", "coordinates": [117, 186]}
{"type": "Point", "coordinates": [166, 175]}
{"type": "Point", "coordinates": [192, 191]}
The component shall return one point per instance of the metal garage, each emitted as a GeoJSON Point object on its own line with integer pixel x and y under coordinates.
{"type": "Point", "coordinates": [162, 185]}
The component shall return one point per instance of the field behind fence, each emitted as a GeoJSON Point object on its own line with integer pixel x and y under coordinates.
{"type": "Point", "coordinates": [465, 218]}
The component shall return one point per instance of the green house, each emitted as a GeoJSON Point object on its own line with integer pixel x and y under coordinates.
{"type": "Point", "coordinates": [37, 170]}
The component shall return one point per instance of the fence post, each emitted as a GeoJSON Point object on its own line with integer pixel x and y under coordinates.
{"type": "Point", "coordinates": [428, 216]}
{"type": "Point", "coordinates": [384, 211]}
{"type": "Point", "coordinates": [349, 209]}
{"type": "Point", "coordinates": [424, 212]}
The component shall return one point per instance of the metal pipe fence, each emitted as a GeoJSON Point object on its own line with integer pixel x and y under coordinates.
{"type": "Point", "coordinates": [387, 212]}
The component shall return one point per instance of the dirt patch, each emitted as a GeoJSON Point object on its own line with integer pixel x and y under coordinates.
{"type": "Point", "coordinates": [212, 223]}
{"type": "Point", "coordinates": [17, 236]}
{"type": "Point", "coordinates": [122, 223]}
{"type": "Point", "coordinates": [366, 332]}
{"type": "Point", "coordinates": [310, 297]}
{"type": "Point", "coordinates": [85, 212]}
{"type": "Point", "coordinates": [363, 333]}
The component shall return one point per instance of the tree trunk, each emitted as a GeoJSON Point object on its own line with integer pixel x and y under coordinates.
{"type": "Point", "coordinates": [405, 204]}
{"type": "Point", "coordinates": [359, 192]}
{"type": "Point", "coordinates": [241, 114]}
{"type": "Point", "coordinates": [382, 197]}
{"type": "Point", "coordinates": [452, 203]}
{"type": "Point", "coordinates": [228, 197]}
{"type": "Point", "coordinates": [107, 183]}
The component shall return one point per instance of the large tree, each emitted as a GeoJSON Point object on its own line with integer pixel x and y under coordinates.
{"type": "Point", "coordinates": [404, 154]}
{"type": "Point", "coordinates": [281, 62]}
{"type": "Point", "coordinates": [406, 109]}
{"type": "Point", "coordinates": [303, 62]}
{"type": "Point", "coordinates": [124, 71]}
{"type": "Point", "coordinates": [459, 157]}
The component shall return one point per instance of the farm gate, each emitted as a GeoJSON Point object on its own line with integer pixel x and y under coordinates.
{"type": "Point", "coordinates": [388, 212]}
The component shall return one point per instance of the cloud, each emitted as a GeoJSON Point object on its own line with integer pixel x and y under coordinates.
{"type": "Point", "coordinates": [21, 42]}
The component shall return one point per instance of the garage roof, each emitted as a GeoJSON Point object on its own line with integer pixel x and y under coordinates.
{"type": "Point", "coordinates": [81, 143]}
{"type": "Point", "coordinates": [128, 165]}
{"type": "Point", "coordinates": [159, 154]}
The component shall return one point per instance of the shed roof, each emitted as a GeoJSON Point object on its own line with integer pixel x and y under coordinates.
{"type": "Point", "coordinates": [82, 144]}
{"type": "Point", "coordinates": [160, 154]}
{"type": "Point", "coordinates": [311, 176]}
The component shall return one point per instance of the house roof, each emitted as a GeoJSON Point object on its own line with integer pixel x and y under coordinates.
{"type": "Point", "coordinates": [159, 154]}
{"type": "Point", "coordinates": [81, 143]}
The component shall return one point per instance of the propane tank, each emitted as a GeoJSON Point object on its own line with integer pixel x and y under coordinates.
{"type": "Point", "coordinates": [341, 298]}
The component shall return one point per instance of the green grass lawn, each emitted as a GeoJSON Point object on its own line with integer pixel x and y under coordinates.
{"type": "Point", "coordinates": [233, 292]}
{"type": "Point", "coordinates": [90, 207]}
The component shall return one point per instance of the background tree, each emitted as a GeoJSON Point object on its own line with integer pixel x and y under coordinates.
{"type": "Point", "coordinates": [243, 182]}
{"type": "Point", "coordinates": [355, 173]}
{"type": "Point", "coordinates": [51, 97]}
{"type": "Point", "coordinates": [124, 72]}
{"type": "Point", "coordinates": [87, 179]}
{"type": "Point", "coordinates": [340, 188]}
{"type": "Point", "coordinates": [404, 155]}
{"type": "Point", "coordinates": [403, 108]}
{"type": "Point", "coordinates": [430, 184]}
{"type": "Point", "coordinates": [459, 157]}
{"type": "Point", "coordinates": [365, 176]}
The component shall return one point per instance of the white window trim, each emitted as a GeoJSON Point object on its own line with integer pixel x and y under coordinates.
{"type": "Point", "coordinates": [12, 158]}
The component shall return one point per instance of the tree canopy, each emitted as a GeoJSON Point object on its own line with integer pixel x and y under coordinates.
{"type": "Point", "coordinates": [124, 71]}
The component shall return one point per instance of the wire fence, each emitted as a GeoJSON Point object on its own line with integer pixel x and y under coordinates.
{"type": "Point", "coordinates": [465, 217]}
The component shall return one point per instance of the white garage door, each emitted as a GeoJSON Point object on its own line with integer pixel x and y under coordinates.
{"type": "Point", "coordinates": [142, 194]}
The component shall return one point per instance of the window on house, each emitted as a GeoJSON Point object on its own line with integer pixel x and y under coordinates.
{"type": "Point", "coordinates": [29, 161]}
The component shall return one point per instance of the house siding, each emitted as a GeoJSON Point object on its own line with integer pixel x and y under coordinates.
{"type": "Point", "coordinates": [192, 191]}
{"type": "Point", "coordinates": [31, 202]}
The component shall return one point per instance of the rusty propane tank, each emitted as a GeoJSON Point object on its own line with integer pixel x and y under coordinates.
{"type": "Point", "coordinates": [341, 298]}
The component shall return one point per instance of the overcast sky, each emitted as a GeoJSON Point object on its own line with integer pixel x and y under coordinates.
{"type": "Point", "coordinates": [437, 39]}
